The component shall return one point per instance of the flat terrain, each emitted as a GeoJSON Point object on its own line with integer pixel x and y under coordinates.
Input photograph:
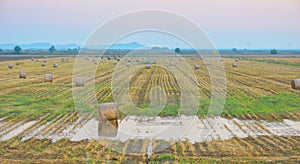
{"type": "Point", "coordinates": [253, 87]}
{"type": "Point", "coordinates": [260, 124]}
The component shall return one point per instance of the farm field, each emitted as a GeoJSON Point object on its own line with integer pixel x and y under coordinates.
{"type": "Point", "coordinates": [261, 114]}
{"type": "Point", "coordinates": [252, 88]}
{"type": "Point", "coordinates": [285, 61]}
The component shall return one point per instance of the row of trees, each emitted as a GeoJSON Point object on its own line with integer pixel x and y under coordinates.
{"type": "Point", "coordinates": [18, 49]}
{"type": "Point", "coordinates": [52, 49]}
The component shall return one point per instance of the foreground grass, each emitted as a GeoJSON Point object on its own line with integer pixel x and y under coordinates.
{"type": "Point", "coordinates": [31, 105]}
{"type": "Point", "coordinates": [228, 151]}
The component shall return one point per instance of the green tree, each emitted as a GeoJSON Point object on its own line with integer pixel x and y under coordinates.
{"type": "Point", "coordinates": [52, 49]}
{"type": "Point", "coordinates": [177, 50]}
{"type": "Point", "coordinates": [17, 49]}
{"type": "Point", "coordinates": [274, 51]}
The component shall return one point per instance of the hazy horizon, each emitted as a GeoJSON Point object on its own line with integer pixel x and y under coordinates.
{"type": "Point", "coordinates": [233, 23]}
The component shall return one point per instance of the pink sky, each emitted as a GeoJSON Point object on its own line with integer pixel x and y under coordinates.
{"type": "Point", "coordinates": [38, 20]}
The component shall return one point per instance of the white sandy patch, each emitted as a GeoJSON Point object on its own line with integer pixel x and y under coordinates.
{"type": "Point", "coordinates": [166, 128]}
{"type": "Point", "coordinates": [17, 131]}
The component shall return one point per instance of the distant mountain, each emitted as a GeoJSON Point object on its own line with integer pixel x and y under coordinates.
{"type": "Point", "coordinates": [132, 45]}
{"type": "Point", "coordinates": [46, 45]}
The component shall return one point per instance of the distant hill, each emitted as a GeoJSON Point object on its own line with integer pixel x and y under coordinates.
{"type": "Point", "coordinates": [132, 45]}
{"type": "Point", "coordinates": [46, 45]}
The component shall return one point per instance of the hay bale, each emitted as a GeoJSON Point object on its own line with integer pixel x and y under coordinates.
{"type": "Point", "coordinates": [108, 111]}
{"type": "Point", "coordinates": [295, 84]}
{"type": "Point", "coordinates": [79, 82]}
{"type": "Point", "coordinates": [44, 61]}
{"type": "Point", "coordinates": [48, 78]}
{"type": "Point", "coordinates": [32, 59]}
{"type": "Point", "coordinates": [192, 58]}
{"type": "Point", "coordinates": [62, 59]}
{"type": "Point", "coordinates": [197, 66]}
{"type": "Point", "coordinates": [95, 62]}
{"type": "Point", "coordinates": [237, 60]}
{"type": "Point", "coordinates": [108, 128]}
{"type": "Point", "coordinates": [171, 64]}
{"type": "Point", "coordinates": [115, 63]}
{"type": "Point", "coordinates": [10, 66]}
{"type": "Point", "coordinates": [234, 64]}
{"type": "Point", "coordinates": [55, 65]}
{"type": "Point", "coordinates": [148, 66]}
{"type": "Point", "coordinates": [127, 64]}
{"type": "Point", "coordinates": [43, 64]}
{"type": "Point", "coordinates": [137, 60]}
{"type": "Point", "coordinates": [22, 74]}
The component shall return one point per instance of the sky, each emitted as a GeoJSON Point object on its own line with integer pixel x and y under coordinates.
{"type": "Point", "coordinates": [228, 23]}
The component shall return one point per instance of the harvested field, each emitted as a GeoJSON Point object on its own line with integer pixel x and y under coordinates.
{"type": "Point", "coordinates": [260, 120]}
{"type": "Point", "coordinates": [252, 88]}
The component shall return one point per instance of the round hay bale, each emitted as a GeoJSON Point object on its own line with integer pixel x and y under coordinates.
{"type": "Point", "coordinates": [197, 66]}
{"type": "Point", "coordinates": [44, 61]}
{"type": "Point", "coordinates": [137, 60]}
{"type": "Point", "coordinates": [32, 59]}
{"type": "Point", "coordinates": [62, 59]}
{"type": "Point", "coordinates": [192, 58]}
{"type": "Point", "coordinates": [295, 84]}
{"type": "Point", "coordinates": [127, 64]}
{"type": "Point", "coordinates": [234, 64]}
{"type": "Point", "coordinates": [22, 74]}
{"type": "Point", "coordinates": [115, 63]}
{"type": "Point", "coordinates": [95, 62]}
{"type": "Point", "coordinates": [237, 60]}
{"type": "Point", "coordinates": [48, 78]}
{"type": "Point", "coordinates": [43, 64]}
{"type": "Point", "coordinates": [148, 66]}
{"type": "Point", "coordinates": [171, 64]}
{"type": "Point", "coordinates": [55, 65]}
{"type": "Point", "coordinates": [108, 111]}
{"type": "Point", "coordinates": [108, 128]}
{"type": "Point", "coordinates": [10, 66]}
{"type": "Point", "coordinates": [181, 59]}
{"type": "Point", "coordinates": [79, 82]}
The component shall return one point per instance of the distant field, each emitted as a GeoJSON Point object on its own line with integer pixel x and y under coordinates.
{"type": "Point", "coordinates": [285, 61]}
{"type": "Point", "coordinates": [256, 86]}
